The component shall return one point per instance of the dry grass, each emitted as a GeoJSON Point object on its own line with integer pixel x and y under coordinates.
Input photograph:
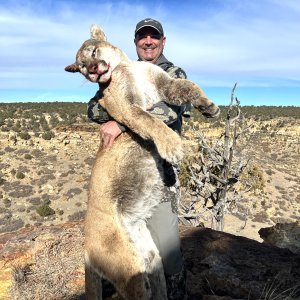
{"type": "Point", "coordinates": [273, 291]}
{"type": "Point", "coordinates": [56, 269]}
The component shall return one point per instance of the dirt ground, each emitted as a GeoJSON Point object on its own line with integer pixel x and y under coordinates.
{"type": "Point", "coordinates": [56, 174]}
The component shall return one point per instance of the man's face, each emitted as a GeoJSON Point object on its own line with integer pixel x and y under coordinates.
{"type": "Point", "coordinates": [149, 44]}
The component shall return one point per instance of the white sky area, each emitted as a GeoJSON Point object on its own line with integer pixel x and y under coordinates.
{"type": "Point", "coordinates": [255, 43]}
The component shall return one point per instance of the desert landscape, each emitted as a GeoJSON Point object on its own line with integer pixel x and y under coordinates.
{"type": "Point", "coordinates": [47, 150]}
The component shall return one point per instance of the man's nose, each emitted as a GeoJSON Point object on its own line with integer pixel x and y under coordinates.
{"type": "Point", "coordinates": [148, 39]}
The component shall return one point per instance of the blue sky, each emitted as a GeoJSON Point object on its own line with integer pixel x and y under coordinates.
{"type": "Point", "coordinates": [255, 43]}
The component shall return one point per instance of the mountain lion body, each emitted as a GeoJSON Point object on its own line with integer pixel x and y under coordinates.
{"type": "Point", "coordinates": [127, 179]}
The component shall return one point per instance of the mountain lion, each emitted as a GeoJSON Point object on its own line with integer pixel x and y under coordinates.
{"type": "Point", "coordinates": [127, 179]}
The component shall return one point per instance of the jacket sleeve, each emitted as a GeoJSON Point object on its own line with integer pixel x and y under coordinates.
{"type": "Point", "coordinates": [96, 113]}
{"type": "Point", "coordinates": [163, 111]}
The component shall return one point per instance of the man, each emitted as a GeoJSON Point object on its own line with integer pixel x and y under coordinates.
{"type": "Point", "coordinates": [163, 225]}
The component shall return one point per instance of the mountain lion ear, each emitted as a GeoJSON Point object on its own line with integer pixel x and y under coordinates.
{"type": "Point", "coordinates": [97, 33]}
{"type": "Point", "coordinates": [72, 68]}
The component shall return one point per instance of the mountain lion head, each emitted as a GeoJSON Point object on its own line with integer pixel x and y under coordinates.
{"type": "Point", "coordinates": [96, 58]}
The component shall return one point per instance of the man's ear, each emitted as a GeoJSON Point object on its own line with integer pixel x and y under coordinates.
{"type": "Point", "coordinates": [72, 68]}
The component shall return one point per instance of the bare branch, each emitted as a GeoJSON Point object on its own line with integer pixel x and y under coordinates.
{"type": "Point", "coordinates": [215, 171]}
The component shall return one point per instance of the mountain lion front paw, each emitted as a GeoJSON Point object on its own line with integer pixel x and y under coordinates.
{"type": "Point", "coordinates": [170, 147]}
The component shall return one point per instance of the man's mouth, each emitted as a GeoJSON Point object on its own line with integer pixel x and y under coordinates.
{"type": "Point", "coordinates": [149, 49]}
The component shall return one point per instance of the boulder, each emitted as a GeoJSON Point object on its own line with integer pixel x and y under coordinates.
{"type": "Point", "coordinates": [223, 264]}
{"type": "Point", "coordinates": [283, 236]}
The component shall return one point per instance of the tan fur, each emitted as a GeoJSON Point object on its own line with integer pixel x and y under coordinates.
{"type": "Point", "coordinates": [127, 179]}
{"type": "Point", "coordinates": [128, 169]}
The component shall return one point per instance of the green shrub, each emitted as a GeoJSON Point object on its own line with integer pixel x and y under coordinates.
{"type": "Point", "coordinates": [7, 202]}
{"type": "Point", "coordinates": [45, 210]}
{"type": "Point", "coordinates": [185, 173]}
{"type": "Point", "coordinates": [4, 129]}
{"type": "Point", "coordinates": [20, 175]}
{"type": "Point", "coordinates": [16, 129]}
{"type": "Point", "coordinates": [2, 180]}
{"type": "Point", "coordinates": [270, 172]}
{"type": "Point", "coordinates": [24, 135]}
{"type": "Point", "coordinates": [28, 156]}
{"type": "Point", "coordinates": [253, 176]}
{"type": "Point", "coordinates": [48, 135]}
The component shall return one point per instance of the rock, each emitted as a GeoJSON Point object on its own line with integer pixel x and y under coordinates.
{"type": "Point", "coordinates": [75, 136]}
{"type": "Point", "coordinates": [214, 297]}
{"type": "Point", "coordinates": [283, 236]}
{"type": "Point", "coordinates": [222, 264]}
{"type": "Point", "coordinates": [48, 264]}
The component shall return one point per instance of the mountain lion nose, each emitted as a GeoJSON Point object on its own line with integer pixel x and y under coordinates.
{"type": "Point", "coordinates": [93, 68]}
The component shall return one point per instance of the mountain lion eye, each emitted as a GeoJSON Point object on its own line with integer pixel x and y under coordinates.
{"type": "Point", "coordinates": [81, 66]}
{"type": "Point", "coordinates": [94, 53]}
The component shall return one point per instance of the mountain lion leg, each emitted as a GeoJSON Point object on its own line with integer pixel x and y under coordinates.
{"type": "Point", "coordinates": [93, 283]}
{"type": "Point", "coordinates": [167, 141]}
{"type": "Point", "coordinates": [140, 235]}
{"type": "Point", "coordinates": [181, 91]}
{"type": "Point", "coordinates": [189, 91]}
{"type": "Point", "coordinates": [109, 251]}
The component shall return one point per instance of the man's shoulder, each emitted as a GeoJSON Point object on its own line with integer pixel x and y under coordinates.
{"type": "Point", "coordinates": [170, 68]}
{"type": "Point", "coordinates": [176, 72]}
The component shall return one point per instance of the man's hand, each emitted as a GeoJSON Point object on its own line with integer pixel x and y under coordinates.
{"type": "Point", "coordinates": [109, 131]}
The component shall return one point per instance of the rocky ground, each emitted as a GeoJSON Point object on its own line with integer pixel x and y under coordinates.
{"type": "Point", "coordinates": [44, 183]}
{"type": "Point", "coordinates": [56, 175]}
{"type": "Point", "coordinates": [47, 263]}
{"type": "Point", "coordinates": [273, 151]}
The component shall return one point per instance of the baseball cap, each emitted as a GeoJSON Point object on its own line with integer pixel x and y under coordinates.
{"type": "Point", "coordinates": [148, 22]}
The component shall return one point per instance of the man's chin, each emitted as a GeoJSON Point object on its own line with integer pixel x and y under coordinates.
{"type": "Point", "coordinates": [148, 59]}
